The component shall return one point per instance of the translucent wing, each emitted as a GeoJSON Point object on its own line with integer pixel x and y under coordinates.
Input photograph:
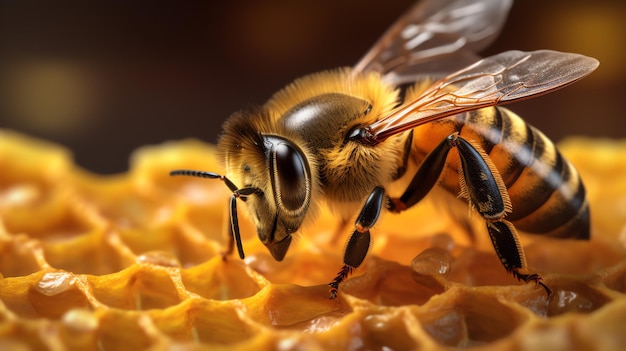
{"type": "Point", "coordinates": [435, 37]}
{"type": "Point", "coordinates": [511, 75]}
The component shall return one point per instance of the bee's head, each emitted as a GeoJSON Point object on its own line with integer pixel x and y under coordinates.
{"type": "Point", "coordinates": [279, 171]}
{"type": "Point", "coordinates": [280, 209]}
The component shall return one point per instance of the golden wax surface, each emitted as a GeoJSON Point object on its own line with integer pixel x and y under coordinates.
{"type": "Point", "coordinates": [133, 261]}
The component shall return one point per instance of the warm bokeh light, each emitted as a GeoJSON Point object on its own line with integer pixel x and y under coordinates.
{"type": "Point", "coordinates": [89, 74]}
{"type": "Point", "coordinates": [49, 97]}
{"type": "Point", "coordinates": [598, 31]}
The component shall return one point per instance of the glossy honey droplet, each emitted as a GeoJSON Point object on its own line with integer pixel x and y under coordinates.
{"type": "Point", "coordinates": [431, 267]}
{"type": "Point", "coordinates": [55, 283]}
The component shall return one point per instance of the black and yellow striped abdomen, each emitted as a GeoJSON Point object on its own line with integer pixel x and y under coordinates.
{"type": "Point", "coordinates": [547, 194]}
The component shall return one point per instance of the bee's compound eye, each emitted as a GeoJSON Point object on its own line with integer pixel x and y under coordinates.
{"type": "Point", "coordinates": [291, 176]}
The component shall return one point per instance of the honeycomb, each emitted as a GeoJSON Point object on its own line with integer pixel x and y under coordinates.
{"type": "Point", "coordinates": [134, 261]}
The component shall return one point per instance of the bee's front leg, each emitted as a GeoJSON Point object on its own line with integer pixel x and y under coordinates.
{"type": "Point", "coordinates": [234, 236]}
{"type": "Point", "coordinates": [359, 242]}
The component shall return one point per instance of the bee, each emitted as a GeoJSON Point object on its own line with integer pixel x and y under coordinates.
{"type": "Point", "coordinates": [344, 137]}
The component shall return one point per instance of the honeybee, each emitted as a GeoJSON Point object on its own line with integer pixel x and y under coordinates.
{"type": "Point", "coordinates": [343, 137]}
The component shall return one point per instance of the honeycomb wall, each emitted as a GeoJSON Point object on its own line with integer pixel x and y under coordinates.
{"type": "Point", "coordinates": [133, 261]}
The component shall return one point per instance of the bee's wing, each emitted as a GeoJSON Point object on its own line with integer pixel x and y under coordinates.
{"type": "Point", "coordinates": [511, 75]}
{"type": "Point", "coordinates": [434, 38]}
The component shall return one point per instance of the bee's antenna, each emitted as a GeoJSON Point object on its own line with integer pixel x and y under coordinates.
{"type": "Point", "coordinates": [203, 174]}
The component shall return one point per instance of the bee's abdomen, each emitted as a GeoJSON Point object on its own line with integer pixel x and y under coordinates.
{"type": "Point", "coordinates": [547, 193]}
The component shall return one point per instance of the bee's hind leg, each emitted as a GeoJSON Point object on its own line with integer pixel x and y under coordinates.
{"type": "Point", "coordinates": [359, 242]}
{"type": "Point", "coordinates": [506, 243]}
{"type": "Point", "coordinates": [482, 185]}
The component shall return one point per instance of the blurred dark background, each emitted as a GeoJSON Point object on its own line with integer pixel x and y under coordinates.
{"type": "Point", "coordinates": [105, 77]}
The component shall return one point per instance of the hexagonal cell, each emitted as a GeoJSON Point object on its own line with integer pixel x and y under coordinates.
{"type": "Point", "coordinates": [212, 322]}
{"type": "Point", "coordinates": [190, 250]}
{"type": "Point", "coordinates": [121, 330]}
{"type": "Point", "coordinates": [139, 287]}
{"type": "Point", "coordinates": [19, 256]}
{"type": "Point", "coordinates": [55, 293]}
{"type": "Point", "coordinates": [211, 221]}
{"type": "Point", "coordinates": [386, 331]}
{"type": "Point", "coordinates": [121, 202]}
{"type": "Point", "coordinates": [78, 329]}
{"type": "Point", "coordinates": [58, 217]}
{"type": "Point", "coordinates": [447, 329]}
{"type": "Point", "coordinates": [14, 294]}
{"type": "Point", "coordinates": [574, 296]}
{"type": "Point", "coordinates": [391, 284]}
{"type": "Point", "coordinates": [152, 164]}
{"type": "Point", "coordinates": [465, 317]}
{"type": "Point", "coordinates": [479, 268]}
{"type": "Point", "coordinates": [293, 307]}
{"type": "Point", "coordinates": [221, 280]}
{"type": "Point", "coordinates": [615, 277]}
{"type": "Point", "coordinates": [304, 264]}
{"type": "Point", "coordinates": [96, 252]}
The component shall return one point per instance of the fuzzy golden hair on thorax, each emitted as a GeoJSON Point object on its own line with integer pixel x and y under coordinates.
{"type": "Point", "coordinates": [368, 86]}
{"type": "Point", "coordinates": [349, 170]}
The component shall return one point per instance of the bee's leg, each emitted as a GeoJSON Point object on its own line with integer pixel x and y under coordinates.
{"type": "Point", "coordinates": [506, 243]}
{"type": "Point", "coordinates": [359, 242]}
{"type": "Point", "coordinates": [482, 185]}
{"type": "Point", "coordinates": [233, 231]}
{"type": "Point", "coordinates": [234, 224]}
{"type": "Point", "coordinates": [425, 178]}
